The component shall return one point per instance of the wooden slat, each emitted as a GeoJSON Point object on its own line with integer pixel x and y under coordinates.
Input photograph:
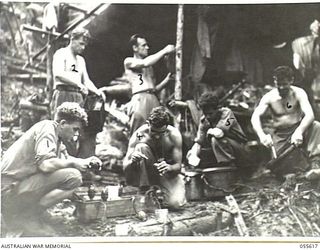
{"type": "Point", "coordinates": [241, 226]}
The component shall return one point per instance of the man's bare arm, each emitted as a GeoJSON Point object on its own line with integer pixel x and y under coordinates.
{"type": "Point", "coordinates": [132, 143]}
{"type": "Point", "coordinates": [306, 109]}
{"type": "Point", "coordinates": [177, 150]}
{"type": "Point", "coordinates": [259, 111]}
{"type": "Point", "coordinates": [136, 63]}
{"type": "Point", "coordinates": [164, 83]}
{"type": "Point", "coordinates": [87, 81]}
{"type": "Point", "coordinates": [53, 164]}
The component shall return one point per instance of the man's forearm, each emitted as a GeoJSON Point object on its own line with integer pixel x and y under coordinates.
{"type": "Point", "coordinates": [126, 163]}
{"type": "Point", "coordinates": [53, 164]}
{"type": "Point", "coordinates": [305, 123]}
{"type": "Point", "coordinates": [257, 126]}
{"type": "Point", "coordinates": [162, 85]}
{"type": "Point", "coordinates": [176, 167]}
{"type": "Point", "coordinates": [152, 59]}
{"type": "Point", "coordinates": [90, 85]}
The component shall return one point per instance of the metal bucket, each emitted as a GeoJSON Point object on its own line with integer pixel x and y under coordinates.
{"type": "Point", "coordinates": [193, 183]}
{"type": "Point", "coordinates": [218, 182]}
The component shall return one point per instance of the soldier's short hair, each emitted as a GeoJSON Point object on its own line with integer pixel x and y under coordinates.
{"type": "Point", "coordinates": [159, 117]}
{"type": "Point", "coordinates": [71, 111]}
{"type": "Point", "coordinates": [283, 72]}
{"type": "Point", "coordinates": [80, 33]}
{"type": "Point", "coordinates": [208, 99]}
{"type": "Point", "coordinates": [134, 39]}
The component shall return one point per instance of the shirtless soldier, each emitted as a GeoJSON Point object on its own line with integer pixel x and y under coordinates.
{"type": "Point", "coordinates": [154, 158]}
{"type": "Point", "coordinates": [293, 120]}
{"type": "Point", "coordinates": [72, 84]}
{"type": "Point", "coordinates": [139, 72]}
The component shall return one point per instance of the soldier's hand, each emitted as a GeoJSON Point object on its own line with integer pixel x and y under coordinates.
{"type": "Point", "coordinates": [195, 150]}
{"type": "Point", "coordinates": [216, 132]}
{"type": "Point", "coordinates": [84, 90]}
{"type": "Point", "coordinates": [297, 138]}
{"type": "Point", "coordinates": [266, 140]}
{"type": "Point", "coordinates": [93, 162]}
{"type": "Point", "coordinates": [170, 76]}
{"type": "Point", "coordinates": [102, 94]}
{"type": "Point", "coordinates": [172, 103]}
{"type": "Point", "coordinates": [177, 103]}
{"type": "Point", "coordinates": [163, 167]}
{"type": "Point", "coordinates": [169, 48]}
{"type": "Point", "coordinates": [137, 156]}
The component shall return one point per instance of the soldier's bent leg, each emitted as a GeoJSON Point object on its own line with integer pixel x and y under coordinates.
{"type": "Point", "coordinates": [173, 187]}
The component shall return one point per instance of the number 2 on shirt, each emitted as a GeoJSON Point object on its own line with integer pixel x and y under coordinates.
{"type": "Point", "coordinates": [73, 66]}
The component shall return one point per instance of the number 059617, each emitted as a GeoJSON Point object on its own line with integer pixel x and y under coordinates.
{"type": "Point", "coordinates": [308, 245]}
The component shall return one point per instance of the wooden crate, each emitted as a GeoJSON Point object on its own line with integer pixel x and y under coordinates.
{"type": "Point", "coordinates": [91, 210]}
{"type": "Point", "coordinates": [127, 191]}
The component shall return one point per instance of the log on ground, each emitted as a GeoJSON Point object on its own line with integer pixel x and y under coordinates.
{"type": "Point", "coordinates": [188, 226]}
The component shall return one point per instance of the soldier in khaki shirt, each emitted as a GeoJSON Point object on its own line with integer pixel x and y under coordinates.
{"type": "Point", "coordinates": [37, 172]}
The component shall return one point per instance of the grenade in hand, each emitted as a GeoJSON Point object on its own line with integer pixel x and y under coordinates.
{"type": "Point", "coordinates": [104, 194]}
{"type": "Point", "coordinates": [95, 166]}
{"type": "Point", "coordinates": [160, 197]}
{"type": "Point", "coordinates": [91, 191]}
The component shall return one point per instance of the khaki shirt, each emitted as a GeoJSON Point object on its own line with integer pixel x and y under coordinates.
{"type": "Point", "coordinates": [226, 121]}
{"type": "Point", "coordinates": [39, 143]}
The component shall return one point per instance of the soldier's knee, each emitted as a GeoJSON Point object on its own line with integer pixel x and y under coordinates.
{"type": "Point", "coordinates": [177, 199]}
{"type": "Point", "coordinates": [141, 146]}
{"type": "Point", "coordinates": [177, 203]}
{"type": "Point", "coordinates": [73, 178]}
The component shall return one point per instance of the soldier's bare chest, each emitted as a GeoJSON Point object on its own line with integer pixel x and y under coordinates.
{"type": "Point", "coordinates": [284, 106]}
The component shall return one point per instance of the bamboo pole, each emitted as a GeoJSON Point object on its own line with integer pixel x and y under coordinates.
{"type": "Point", "coordinates": [179, 42]}
{"type": "Point", "coordinates": [38, 30]}
{"type": "Point", "coordinates": [49, 83]}
{"type": "Point", "coordinates": [70, 6]}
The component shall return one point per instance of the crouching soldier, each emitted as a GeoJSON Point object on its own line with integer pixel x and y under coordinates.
{"type": "Point", "coordinates": [293, 123]}
{"type": "Point", "coordinates": [154, 158]}
{"type": "Point", "coordinates": [219, 131]}
{"type": "Point", "coordinates": [37, 172]}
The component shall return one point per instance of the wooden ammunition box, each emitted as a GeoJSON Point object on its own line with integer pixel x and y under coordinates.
{"type": "Point", "coordinates": [91, 210]}
{"type": "Point", "coordinates": [88, 210]}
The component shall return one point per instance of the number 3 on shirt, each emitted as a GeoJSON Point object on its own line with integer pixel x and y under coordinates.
{"type": "Point", "coordinates": [140, 77]}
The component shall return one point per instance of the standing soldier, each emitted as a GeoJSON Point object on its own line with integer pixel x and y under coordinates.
{"type": "Point", "coordinates": [72, 82]}
{"type": "Point", "coordinates": [139, 72]}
